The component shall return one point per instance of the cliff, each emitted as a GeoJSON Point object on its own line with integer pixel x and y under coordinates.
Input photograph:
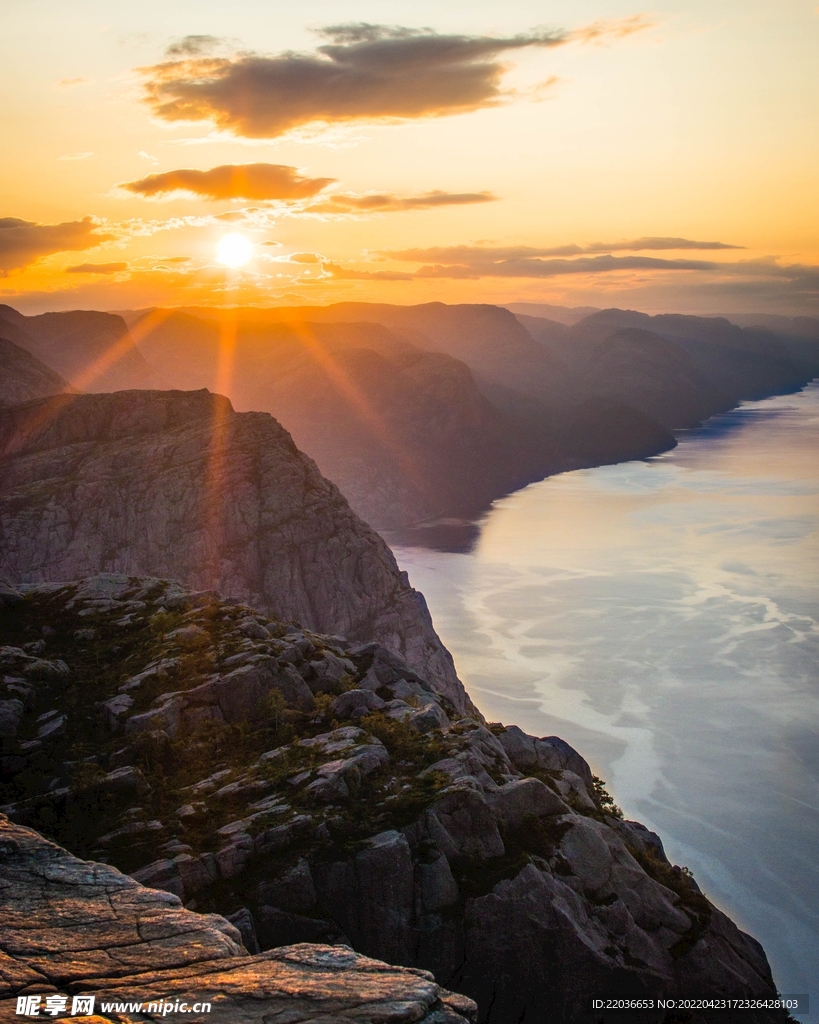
{"type": "Point", "coordinates": [122, 943]}
{"type": "Point", "coordinates": [177, 484]}
{"type": "Point", "coordinates": [319, 790]}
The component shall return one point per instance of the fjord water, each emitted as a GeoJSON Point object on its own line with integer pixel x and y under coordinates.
{"type": "Point", "coordinates": [663, 617]}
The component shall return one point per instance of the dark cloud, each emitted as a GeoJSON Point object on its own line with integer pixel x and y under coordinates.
{"type": "Point", "coordinates": [232, 181]}
{"type": "Point", "coordinates": [386, 202]}
{"type": "Point", "coordinates": [191, 46]}
{"type": "Point", "coordinates": [364, 71]}
{"type": "Point", "coordinates": [22, 241]}
{"type": "Point", "coordinates": [464, 254]}
{"type": "Point", "coordinates": [97, 268]}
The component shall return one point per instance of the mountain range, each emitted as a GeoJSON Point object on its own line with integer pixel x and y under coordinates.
{"type": "Point", "coordinates": [423, 415]}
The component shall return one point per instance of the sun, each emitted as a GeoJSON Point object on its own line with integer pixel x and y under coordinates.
{"type": "Point", "coordinates": [234, 250]}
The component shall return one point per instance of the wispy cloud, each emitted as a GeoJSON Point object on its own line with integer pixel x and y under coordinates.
{"type": "Point", "coordinates": [77, 156]}
{"type": "Point", "coordinates": [387, 202]}
{"type": "Point", "coordinates": [363, 72]}
{"type": "Point", "coordinates": [339, 273]}
{"type": "Point", "coordinates": [231, 181]}
{"type": "Point", "coordinates": [70, 83]}
{"type": "Point", "coordinates": [193, 46]}
{"type": "Point", "coordinates": [527, 267]}
{"type": "Point", "coordinates": [466, 254]}
{"type": "Point", "coordinates": [22, 241]}
{"type": "Point", "coordinates": [601, 32]}
{"type": "Point", "coordinates": [97, 268]}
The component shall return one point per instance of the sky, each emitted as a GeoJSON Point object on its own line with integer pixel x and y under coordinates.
{"type": "Point", "coordinates": [661, 156]}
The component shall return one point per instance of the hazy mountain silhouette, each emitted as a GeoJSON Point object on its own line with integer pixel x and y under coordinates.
{"type": "Point", "coordinates": [427, 413]}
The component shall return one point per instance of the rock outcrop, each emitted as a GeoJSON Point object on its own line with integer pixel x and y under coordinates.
{"type": "Point", "coordinates": [319, 790]}
{"type": "Point", "coordinates": [23, 377]}
{"type": "Point", "coordinates": [71, 927]}
{"type": "Point", "coordinates": [176, 484]}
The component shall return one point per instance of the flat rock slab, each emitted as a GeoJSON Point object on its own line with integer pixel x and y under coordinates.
{"type": "Point", "coordinates": [63, 919]}
{"type": "Point", "coordinates": [70, 926]}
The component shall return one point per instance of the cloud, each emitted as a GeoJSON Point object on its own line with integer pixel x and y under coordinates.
{"type": "Point", "coordinates": [76, 156]}
{"type": "Point", "coordinates": [386, 202]}
{"type": "Point", "coordinates": [527, 267]}
{"type": "Point", "coordinates": [603, 31]}
{"type": "Point", "coordinates": [70, 83]}
{"type": "Point", "coordinates": [190, 46]}
{"type": "Point", "coordinates": [22, 242]}
{"type": "Point", "coordinates": [363, 72]}
{"type": "Point", "coordinates": [339, 273]}
{"type": "Point", "coordinates": [97, 268]}
{"type": "Point", "coordinates": [231, 181]}
{"type": "Point", "coordinates": [464, 254]}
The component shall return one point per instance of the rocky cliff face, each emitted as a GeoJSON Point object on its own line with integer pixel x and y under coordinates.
{"type": "Point", "coordinates": [22, 377]}
{"type": "Point", "coordinates": [318, 790]}
{"type": "Point", "coordinates": [177, 484]}
{"type": "Point", "coordinates": [122, 943]}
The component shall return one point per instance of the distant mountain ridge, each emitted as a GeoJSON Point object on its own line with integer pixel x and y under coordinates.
{"type": "Point", "coordinates": [423, 415]}
{"type": "Point", "coordinates": [94, 351]}
{"type": "Point", "coordinates": [23, 376]}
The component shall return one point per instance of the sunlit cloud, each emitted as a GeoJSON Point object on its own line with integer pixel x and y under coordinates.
{"type": "Point", "coordinates": [601, 32]}
{"type": "Point", "coordinates": [363, 72]}
{"type": "Point", "coordinates": [386, 202]}
{"type": "Point", "coordinates": [70, 83]}
{"type": "Point", "coordinates": [76, 156]}
{"type": "Point", "coordinates": [22, 242]}
{"type": "Point", "coordinates": [97, 268]}
{"type": "Point", "coordinates": [462, 254]}
{"type": "Point", "coordinates": [230, 181]}
{"type": "Point", "coordinates": [303, 257]}
{"type": "Point", "coordinates": [340, 273]}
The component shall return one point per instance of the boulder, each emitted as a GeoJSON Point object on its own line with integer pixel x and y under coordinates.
{"type": "Point", "coordinates": [356, 703]}
{"type": "Point", "coordinates": [549, 752]}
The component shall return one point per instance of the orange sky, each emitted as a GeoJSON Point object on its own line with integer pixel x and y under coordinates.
{"type": "Point", "coordinates": [604, 153]}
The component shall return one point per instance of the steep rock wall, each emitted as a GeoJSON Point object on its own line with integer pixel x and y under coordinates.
{"type": "Point", "coordinates": [177, 484]}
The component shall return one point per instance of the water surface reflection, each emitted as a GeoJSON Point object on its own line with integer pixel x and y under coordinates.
{"type": "Point", "coordinates": [662, 617]}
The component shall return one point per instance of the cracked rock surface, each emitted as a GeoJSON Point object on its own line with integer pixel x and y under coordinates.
{"type": "Point", "coordinates": [73, 926]}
